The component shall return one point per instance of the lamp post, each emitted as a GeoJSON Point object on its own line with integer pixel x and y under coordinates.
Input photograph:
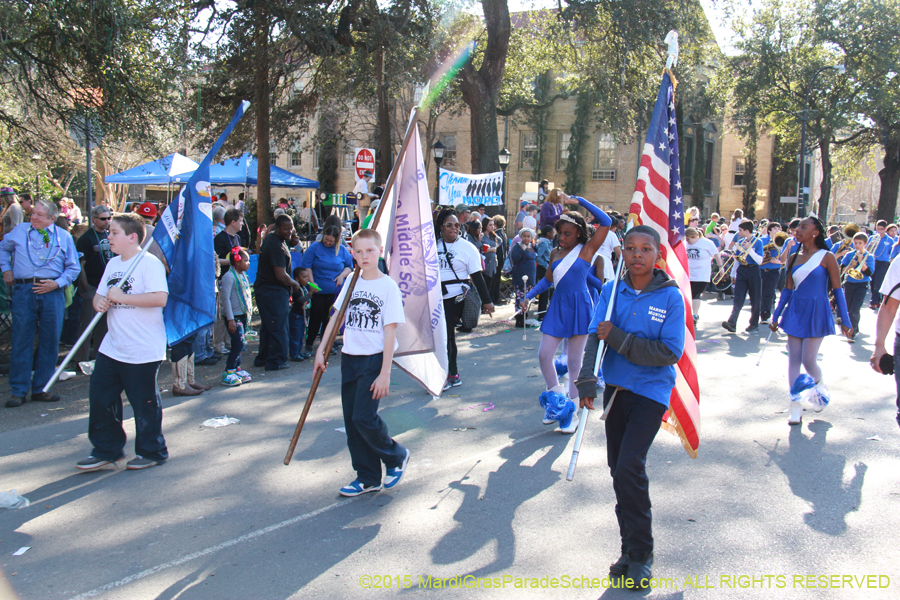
{"type": "Point", "coordinates": [37, 176]}
{"type": "Point", "coordinates": [803, 191]}
{"type": "Point", "coordinates": [437, 151]}
{"type": "Point", "coordinates": [503, 157]}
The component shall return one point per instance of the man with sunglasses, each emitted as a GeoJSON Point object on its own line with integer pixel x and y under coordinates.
{"type": "Point", "coordinates": [38, 260]}
{"type": "Point", "coordinates": [95, 253]}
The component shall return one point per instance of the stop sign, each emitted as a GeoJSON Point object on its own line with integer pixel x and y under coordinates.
{"type": "Point", "coordinates": [365, 161]}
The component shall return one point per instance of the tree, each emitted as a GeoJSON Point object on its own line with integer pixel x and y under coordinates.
{"type": "Point", "coordinates": [865, 31]}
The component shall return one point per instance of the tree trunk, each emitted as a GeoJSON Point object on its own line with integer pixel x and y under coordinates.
{"type": "Point", "coordinates": [263, 177]}
{"type": "Point", "coordinates": [385, 148]}
{"type": "Point", "coordinates": [827, 168]}
{"type": "Point", "coordinates": [481, 88]}
{"type": "Point", "coordinates": [890, 181]}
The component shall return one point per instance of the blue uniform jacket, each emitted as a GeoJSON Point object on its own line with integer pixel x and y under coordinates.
{"type": "Point", "coordinates": [869, 264]}
{"type": "Point", "coordinates": [647, 340]}
{"type": "Point", "coordinates": [883, 250]}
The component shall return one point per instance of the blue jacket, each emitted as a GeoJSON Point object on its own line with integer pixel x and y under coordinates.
{"type": "Point", "coordinates": [756, 249]}
{"type": "Point", "coordinates": [883, 250]}
{"type": "Point", "coordinates": [646, 341]}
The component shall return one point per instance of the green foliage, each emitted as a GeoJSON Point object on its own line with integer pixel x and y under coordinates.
{"type": "Point", "coordinates": [578, 143]}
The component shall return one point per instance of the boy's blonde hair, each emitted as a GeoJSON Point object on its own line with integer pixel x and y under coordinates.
{"type": "Point", "coordinates": [366, 234]}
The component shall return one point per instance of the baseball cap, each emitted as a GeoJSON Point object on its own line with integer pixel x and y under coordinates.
{"type": "Point", "coordinates": [462, 208]}
{"type": "Point", "coordinates": [523, 203]}
{"type": "Point", "coordinates": [7, 191]}
{"type": "Point", "coordinates": [147, 209]}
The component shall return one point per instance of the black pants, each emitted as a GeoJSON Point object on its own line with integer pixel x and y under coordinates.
{"type": "Point", "coordinates": [368, 439]}
{"type": "Point", "coordinates": [747, 281]}
{"type": "Point", "coordinates": [631, 426]}
{"type": "Point", "coordinates": [273, 330]}
{"type": "Point", "coordinates": [109, 379]}
{"type": "Point", "coordinates": [856, 295]}
{"type": "Point", "coordinates": [452, 313]}
{"type": "Point", "coordinates": [319, 307]}
{"type": "Point", "coordinates": [881, 269]}
{"type": "Point", "coordinates": [543, 299]}
{"type": "Point", "coordinates": [769, 283]}
{"type": "Point", "coordinates": [494, 285]}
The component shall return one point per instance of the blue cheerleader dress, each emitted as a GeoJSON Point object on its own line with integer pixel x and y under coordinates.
{"type": "Point", "coordinates": [808, 313]}
{"type": "Point", "coordinates": [571, 307]}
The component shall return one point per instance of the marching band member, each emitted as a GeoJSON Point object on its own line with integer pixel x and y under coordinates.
{"type": "Point", "coordinates": [882, 252]}
{"type": "Point", "coordinates": [807, 319]}
{"type": "Point", "coordinates": [855, 288]}
{"type": "Point", "coordinates": [770, 270]}
{"type": "Point", "coordinates": [747, 278]}
{"type": "Point", "coordinates": [645, 338]}
{"type": "Point", "coordinates": [700, 253]}
{"type": "Point", "coordinates": [570, 309]}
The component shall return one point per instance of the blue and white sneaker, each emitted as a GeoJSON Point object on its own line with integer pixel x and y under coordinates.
{"type": "Point", "coordinates": [244, 375]}
{"type": "Point", "coordinates": [231, 378]}
{"type": "Point", "coordinates": [393, 476]}
{"type": "Point", "coordinates": [357, 488]}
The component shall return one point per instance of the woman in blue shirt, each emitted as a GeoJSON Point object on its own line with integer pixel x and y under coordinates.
{"type": "Point", "coordinates": [327, 264]}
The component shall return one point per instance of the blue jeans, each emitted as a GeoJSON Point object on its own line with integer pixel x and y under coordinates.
{"type": "Point", "coordinates": [631, 426]}
{"type": "Point", "coordinates": [368, 439]}
{"type": "Point", "coordinates": [40, 314]}
{"type": "Point", "coordinates": [109, 379]}
{"type": "Point", "coordinates": [273, 330]}
{"type": "Point", "coordinates": [237, 342]}
{"type": "Point", "coordinates": [202, 345]}
{"type": "Point", "coordinates": [297, 323]}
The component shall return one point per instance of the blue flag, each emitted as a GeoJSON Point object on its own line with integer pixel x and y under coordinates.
{"type": "Point", "coordinates": [185, 236]}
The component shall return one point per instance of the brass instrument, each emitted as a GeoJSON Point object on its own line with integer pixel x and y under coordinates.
{"type": "Point", "coordinates": [851, 271]}
{"type": "Point", "coordinates": [777, 241]}
{"type": "Point", "coordinates": [740, 256]}
{"type": "Point", "coordinates": [850, 230]}
{"type": "Point", "coordinates": [872, 246]}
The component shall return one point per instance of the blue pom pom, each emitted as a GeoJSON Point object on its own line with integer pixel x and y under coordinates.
{"type": "Point", "coordinates": [804, 382]}
{"type": "Point", "coordinates": [553, 403]}
{"type": "Point", "coordinates": [565, 414]}
{"type": "Point", "coordinates": [561, 363]}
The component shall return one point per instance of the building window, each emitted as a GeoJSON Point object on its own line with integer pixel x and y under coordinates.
{"type": "Point", "coordinates": [606, 152]}
{"type": "Point", "coordinates": [710, 158]}
{"type": "Point", "coordinates": [562, 159]}
{"type": "Point", "coordinates": [687, 160]}
{"type": "Point", "coordinates": [295, 159]}
{"type": "Point", "coordinates": [273, 158]}
{"type": "Point", "coordinates": [529, 150]}
{"type": "Point", "coordinates": [348, 158]}
{"type": "Point", "coordinates": [603, 175]}
{"type": "Point", "coordinates": [740, 168]}
{"type": "Point", "coordinates": [449, 142]}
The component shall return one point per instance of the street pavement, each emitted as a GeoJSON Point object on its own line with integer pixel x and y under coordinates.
{"type": "Point", "coordinates": [765, 511]}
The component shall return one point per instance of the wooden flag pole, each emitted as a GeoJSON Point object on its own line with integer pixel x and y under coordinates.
{"type": "Point", "coordinates": [356, 272]}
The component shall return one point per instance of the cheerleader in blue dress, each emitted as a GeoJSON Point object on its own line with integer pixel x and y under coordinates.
{"type": "Point", "coordinates": [805, 314]}
{"type": "Point", "coordinates": [571, 308]}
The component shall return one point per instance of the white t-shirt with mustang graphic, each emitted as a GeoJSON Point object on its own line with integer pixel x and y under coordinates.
{"type": "Point", "coordinates": [374, 304]}
{"type": "Point", "coordinates": [136, 335]}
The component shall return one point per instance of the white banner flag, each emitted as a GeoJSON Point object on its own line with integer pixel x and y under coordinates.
{"type": "Point", "coordinates": [411, 255]}
{"type": "Point", "coordinates": [460, 188]}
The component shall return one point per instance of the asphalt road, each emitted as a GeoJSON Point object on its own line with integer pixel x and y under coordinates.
{"type": "Point", "coordinates": [763, 507]}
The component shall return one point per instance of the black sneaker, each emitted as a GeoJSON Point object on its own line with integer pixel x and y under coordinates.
{"type": "Point", "coordinates": [139, 462]}
{"type": "Point", "coordinates": [283, 365]}
{"type": "Point", "coordinates": [639, 573]}
{"type": "Point", "coordinates": [210, 360]}
{"type": "Point", "coordinates": [92, 463]}
{"type": "Point", "coordinates": [298, 358]}
{"type": "Point", "coordinates": [44, 397]}
{"type": "Point", "coordinates": [728, 326]}
{"type": "Point", "coordinates": [752, 328]}
{"type": "Point", "coordinates": [620, 567]}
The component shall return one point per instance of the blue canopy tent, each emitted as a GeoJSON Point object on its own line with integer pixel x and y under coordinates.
{"type": "Point", "coordinates": [243, 170]}
{"type": "Point", "coordinates": [174, 168]}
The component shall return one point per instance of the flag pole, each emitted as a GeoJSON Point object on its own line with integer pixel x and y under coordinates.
{"type": "Point", "coordinates": [356, 273]}
{"type": "Point", "coordinates": [601, 350]}
{"type": "Point", "coordinates": [97, 316]}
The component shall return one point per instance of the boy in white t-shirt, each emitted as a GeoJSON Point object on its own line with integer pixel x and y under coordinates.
{"type": "Point", "coordinates": [370, 339]}
{"type": "Point", "coordinates": [129, 357]}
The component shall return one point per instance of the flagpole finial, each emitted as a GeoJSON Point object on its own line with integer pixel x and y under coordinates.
{"type": "Point", "coordinates": [672, 51]}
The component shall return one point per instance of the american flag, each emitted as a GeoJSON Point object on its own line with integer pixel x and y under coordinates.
{"type": "Point", "coordinates": [658, 202]}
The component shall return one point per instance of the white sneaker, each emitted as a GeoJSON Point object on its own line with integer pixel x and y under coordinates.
{"type": "Point", "coordinates": [572, 426]}
{"type": "Point", "coordinates": [796, 413]}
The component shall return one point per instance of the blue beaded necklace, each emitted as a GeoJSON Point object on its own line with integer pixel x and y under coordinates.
{"type": "Point", "coordinates": [43, 243]}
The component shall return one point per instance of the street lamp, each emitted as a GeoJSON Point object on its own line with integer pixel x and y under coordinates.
{"type": "Point", "coordinates": [437, 151]}
{"type": "Point", "coordinates": [503, 157]}
{"type": "Point", "coordinates": [802, 190]}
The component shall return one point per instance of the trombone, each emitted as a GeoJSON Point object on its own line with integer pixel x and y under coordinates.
{"type": "Point", "coordinates": [853, 270]}
{"type": "Point", "coordinates": [739, 255]}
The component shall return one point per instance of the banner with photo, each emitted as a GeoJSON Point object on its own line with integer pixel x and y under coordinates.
{"type": "Point", "coordinates": [461, 188]}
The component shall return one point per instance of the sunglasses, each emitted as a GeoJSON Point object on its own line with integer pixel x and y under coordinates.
{"type": "Point", "coordinates": [103, 218]}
